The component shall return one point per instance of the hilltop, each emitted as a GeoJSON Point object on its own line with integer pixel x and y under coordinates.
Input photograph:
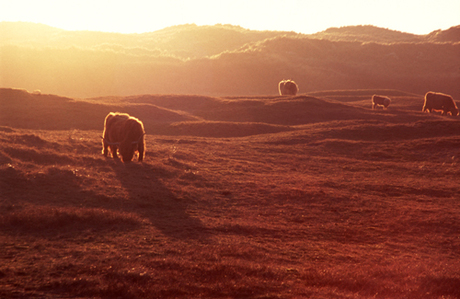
{"type": "Point", "coordinates": [225, 60]}
{"type": "Point", "coordinates": [192, 41]}
{"type": "Point", "coordinates": [204, 115]}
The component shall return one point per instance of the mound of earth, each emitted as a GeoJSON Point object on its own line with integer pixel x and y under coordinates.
{"type": "Point", "coordinates": [205, 116]}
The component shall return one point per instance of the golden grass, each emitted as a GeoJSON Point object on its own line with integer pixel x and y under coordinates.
{"type": "Point", "coordinates": [354, 208]}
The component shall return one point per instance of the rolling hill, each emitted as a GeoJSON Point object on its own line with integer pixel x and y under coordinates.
{"type": "Point", "coordinates": [249, 196]}
{"type": "Point", "coordinates": [242, 193]}
{"type": "Point", "coordinates": [203, 115]}
{"type": "Point", "coordinates": [225, 60]}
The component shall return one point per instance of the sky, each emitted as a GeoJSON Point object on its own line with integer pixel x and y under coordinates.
{"type": "Point", "coordinates": [138, 16]}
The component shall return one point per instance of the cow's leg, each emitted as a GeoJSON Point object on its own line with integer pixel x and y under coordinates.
{"type": "Point", "coordinates": [105, 149]}
{"type": "Point", "coordinates": [113, 149]}
{"type": "Point", "coordinates": [140, 149]}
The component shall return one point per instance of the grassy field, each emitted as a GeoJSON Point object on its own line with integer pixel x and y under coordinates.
{"type": "Point", "coordinates": [313, 196]}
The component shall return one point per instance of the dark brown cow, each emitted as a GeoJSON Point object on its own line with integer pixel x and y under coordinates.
{"type": "Point", "coordinates": [380, 101]}
{"type": "Point", "coordinates": [125, 134]}
{"type": "Point", "coordinates": [288, 88]}
{"type": "Point", "coordinates": [439, 102]}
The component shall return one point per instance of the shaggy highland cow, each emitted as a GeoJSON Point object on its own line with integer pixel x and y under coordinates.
{"type": "Point", "coordinates": [439, 101]}
{"type": "Point", "coordinates": [125, 134]}
{"type": "Point", "coordinates": [380, 101]}
{"type": "Point", "coordinates": [288, 88]}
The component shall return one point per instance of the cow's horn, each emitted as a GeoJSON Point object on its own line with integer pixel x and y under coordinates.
{"type": "Point", "coordinates": [138, 140]}
{"type": "Point", "coordinates": [110, 143]}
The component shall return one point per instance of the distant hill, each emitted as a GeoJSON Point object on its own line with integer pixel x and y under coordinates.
{"type": "Point", "coordinates": [181, 41]}
{"type": "Point", "coordinates": [206, 116]}
{"type": "Point", "coordinates": [225, 60]}
{"type": "Point", "coordinates": [25, 32]}
{"type": "Point", "coordinates": [450, 35]}
{"type": "Point", "coordinates": [368, 33]}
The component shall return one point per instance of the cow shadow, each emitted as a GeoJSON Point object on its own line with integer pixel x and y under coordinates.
{"type": "Point", "coordinates": [148, 196]}
{"type": "Point", "coordinates": [52, 204]}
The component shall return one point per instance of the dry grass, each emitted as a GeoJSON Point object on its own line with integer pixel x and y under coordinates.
{"type": "Point", "coordinates": [340, 208]}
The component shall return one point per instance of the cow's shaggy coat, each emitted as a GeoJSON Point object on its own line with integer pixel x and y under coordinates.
{"type": "Point", "coordinates": [438, 101]}
{"type": "Point", "coordinates": [380, 101]}
{"type": "Point", "coordinates": [125, 134]}
{"type": "Point", "coordinates": [288, 88]}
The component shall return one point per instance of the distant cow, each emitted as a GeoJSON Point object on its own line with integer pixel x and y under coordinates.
{"type": "Point", "coordinates": [439, 101]}
{"type": "Point", "coordinates": [380, 101]}
{"type": "Point", "coordinates": [288, 88]}
{"type": "Point", "coordinates": [125, 134]}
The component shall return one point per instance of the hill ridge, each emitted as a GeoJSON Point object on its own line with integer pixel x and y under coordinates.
{"type": "Point", "coordinates": [206, 116]}
{"type": "Point", "coordinates": [224, 60]}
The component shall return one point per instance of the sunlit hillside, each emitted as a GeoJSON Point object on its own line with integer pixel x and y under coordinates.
{"type": "Point", "coordinates": [225, 60]}
{"type": "Point", "coordinates": [307, 196]}
{"type": "Point", "coordinates": [243, 193]}
{"type": "Point", "coordinates": [368, 34]}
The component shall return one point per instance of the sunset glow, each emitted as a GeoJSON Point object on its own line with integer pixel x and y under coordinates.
{"type": "Point", "coordinates": [229, 149]}
{"type": "Point", "coordinates": [419, 17]}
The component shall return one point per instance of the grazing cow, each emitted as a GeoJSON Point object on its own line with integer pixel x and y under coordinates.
{"type": "Point", "coordinates": [380, 101]}
{"type": "Point", "coordinates": [439, 101]}
{"type": "Point", "coordinates": [288, 88]}
{"type": "Point", "coordinates": [125, 134]}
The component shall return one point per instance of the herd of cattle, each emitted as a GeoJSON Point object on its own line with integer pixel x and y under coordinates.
{"type": "Point", "coordinates": [124, 134]}
{"type": "Point", "coordinates": [434, 101]}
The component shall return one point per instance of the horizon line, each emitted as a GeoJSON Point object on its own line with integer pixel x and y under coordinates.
{"type": "Point", "coordinates": [222, 24]}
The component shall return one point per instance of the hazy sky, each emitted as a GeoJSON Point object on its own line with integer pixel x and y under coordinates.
{"type": "Point", "coordinates": [130, 16]}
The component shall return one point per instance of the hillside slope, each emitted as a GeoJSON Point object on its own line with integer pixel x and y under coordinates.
{"type": "Point", "coordinates": [314, 196]}
{"type": "Point", "coordinates": [225, 60]}
{"type": "Point", "coordinates": [205, 116]}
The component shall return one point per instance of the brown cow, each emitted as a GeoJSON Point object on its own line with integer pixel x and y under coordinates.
{"type": "Point", "coordinates": [380, 101]}
{"type": "Point", "coordinates": [125, 134]}
{"type": "Point", "coordinates": [439, 101]}
{"type": "Point", "coordinates": [287, 87]}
